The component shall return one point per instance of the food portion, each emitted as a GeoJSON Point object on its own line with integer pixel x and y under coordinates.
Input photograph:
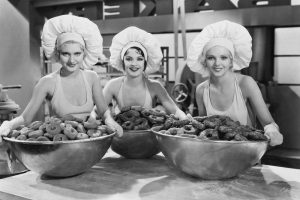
{"type": "Point", "coordinates": [214, 127]}
{"type": "Point", "coordinates": [61, 129]}
{"type": "Point", "coordinates": [139, 118]}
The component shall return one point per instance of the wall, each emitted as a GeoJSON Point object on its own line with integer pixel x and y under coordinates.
{"type": "Point", "coordinates": [16, 66]}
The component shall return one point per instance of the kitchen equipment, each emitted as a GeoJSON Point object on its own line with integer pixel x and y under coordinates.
{"type": "Point", "coordinates": [210, 159]}
{"type": "Point", "coordinates": [9, 165]}
{"type": "Point", "coordinates": [136, 144]}
{"type": "Point", "coordinates": [11, 87]}
{"type": "Point", "coordinates": [60, 158]}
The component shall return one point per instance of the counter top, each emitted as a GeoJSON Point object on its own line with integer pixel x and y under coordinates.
{"type": "Point", "coordinates": [117, 178]}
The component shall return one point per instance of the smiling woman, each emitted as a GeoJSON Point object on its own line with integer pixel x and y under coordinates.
{"type": "Point", "coordinates": [137, 53]}
{"type": "Point", "coordinates": [76, 43]}
{"type": "Point", "coordinates": [218, 51]}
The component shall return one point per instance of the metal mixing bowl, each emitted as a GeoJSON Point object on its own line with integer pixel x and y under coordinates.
{"type": "Point", "coordinates": [136, 144]}
{"type": "Point", "coordinates": [210, 159]}
{"type": "Point", "coordinates": [60, 158]}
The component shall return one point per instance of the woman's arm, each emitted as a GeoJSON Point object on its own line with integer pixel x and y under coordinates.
{"type": "Point", "coordinates": [199, 100]}
{"type": "Point", "coordinates": [98, 96]}
{"type": "Point", "coordinates": [44, 87]}
{"type": "Point", "coordinates": [110, 89]}
{"type": "Point", "coordinates": [252, 92]}
{"type": "Point", "coordinates": [108, 93]}
{"type": "Point", "coordinates": [40, 91]}
{"type": "Point", "coordinates": [102, 106]}
{"type": "Point", "coordinates": [166, 100]}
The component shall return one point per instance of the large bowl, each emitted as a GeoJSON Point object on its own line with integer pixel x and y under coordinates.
{"type": "Point", "coordinates": [210, 159]}
{"type": "Point", "coordinates": [137, 144]}
{"type": "Point", "coordinates": [60, 158]}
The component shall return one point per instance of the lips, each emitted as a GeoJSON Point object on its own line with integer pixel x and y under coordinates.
{"type": "Point", "coordinates": [217, 69]}
{"type": "Point", "coordinates": [72, 65]}
{"type": "Point", "coordinates": [134, 69]}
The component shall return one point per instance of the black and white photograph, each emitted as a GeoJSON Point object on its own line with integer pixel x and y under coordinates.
{"type": "Point", "coordinates": [149, 99]}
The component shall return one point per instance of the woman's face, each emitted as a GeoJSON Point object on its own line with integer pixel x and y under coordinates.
{"type": "Point", "coordinates": [218, 61]}
{"type": "Point", "coordinates": [71, 56]}
{"type": "Point", "coordinates": [134, 62]}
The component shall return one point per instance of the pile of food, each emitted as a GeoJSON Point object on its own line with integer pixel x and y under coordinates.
{"type": "Point", "coordinates": [60, 129]}
{"type": "Point", "coordinates": [139, 118]}
{"type": "Point", "coordinates": [214, 127]}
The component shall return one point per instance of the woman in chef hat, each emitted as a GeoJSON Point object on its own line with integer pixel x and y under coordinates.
{"type": "Point", "coordinates": [76, 43]}
{"type": "Point", "coordinates": [219, 50]}
{"type": "Point", "coordinates": [137, 53]}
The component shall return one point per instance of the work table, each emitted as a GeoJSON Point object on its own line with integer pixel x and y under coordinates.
{"type": "Point", "coordinates": [117, 178]}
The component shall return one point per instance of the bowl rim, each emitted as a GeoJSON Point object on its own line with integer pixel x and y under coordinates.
{"type": "Point", "coordinates": [208, 141]}
{"type": "Point", "coordinates": [136, 131]}
{"type": "Point", "coordinates": [58, 142]}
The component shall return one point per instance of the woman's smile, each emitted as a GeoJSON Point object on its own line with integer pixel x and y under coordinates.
{"type": "Point", "coordinates": [134, 69]}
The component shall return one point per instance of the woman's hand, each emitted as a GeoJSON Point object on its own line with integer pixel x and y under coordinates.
{"type": "Point", "coordinates": [109, 121]}
{"type": "Point", "coordinates": [5, 128]}
{"type": "Point", "coordinates": [272, 132]}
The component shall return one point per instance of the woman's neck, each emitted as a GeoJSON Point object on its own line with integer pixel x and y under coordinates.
{"type": "Point", "coordinates": [224, 81]}
{"type": "Point", "coordinates": [67, 74]}
{"type": "Point", "coordinates": [134, 81]}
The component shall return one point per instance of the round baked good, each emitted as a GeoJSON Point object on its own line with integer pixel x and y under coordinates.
{"type": "Point", "coordinates": [21, 137]}
{"type": "Point", "coordinates": [198, 125]}
{"type": "Point", "coordinates": [176, 131]}
{"type": "Point", "coordinates": [35, 125]}
{"type": "Point", "coordinates": [43, 127]}
{"type": "Point", "coordinates": [239, 137]}
{"type": "Point", "coordinates": [125, 109]}
{"type": "Point", "coordinates": [35, 134]}
{"type": "Point", "coordinates": [15, 133]}
{"type": "Point", "coordinates": [70, 132]}
{"type": "Point", "coordinates": [141, 124]}
{"type": "Point", "coordinates": [128, 125]}
{"type": "Point", "coordinates": [155, 119]}
{"type": "Point", "coordinates": [211, 134]}
{"type": "Point", "coordinates": [189, 129]}
{"type": "Point", "coordinates": [42, 138]}
{"type": "Point", "coordinates": [73, 123]}
{"type": "Point", "coordinates": [81, 136]}
{"type": "Point", "coordinates": [98, 133]}
{"type": "Point", "coordinates": [53, 128]}
{"type": "Point", "coordinates": [60, 137]}
{"type": "Point", "coordinates": [80, 128]}
{"type": "Point", "coordinates": [48, 135]}
{"type": "Point", "coordinates": [180, 123]}
{"type": "Point", "coordinates": [25, 130]}
{"type": "Point", "coordinates": [130, 115]}
{"type": "Point", "coordinates": [157, 112]}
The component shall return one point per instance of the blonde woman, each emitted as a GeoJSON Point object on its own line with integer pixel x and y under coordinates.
{"type": "Point", "coordinates": [217, 52]}
{"type": "Point", "coordinates": [76, 43]}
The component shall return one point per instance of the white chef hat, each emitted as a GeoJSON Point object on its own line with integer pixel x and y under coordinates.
{"type": "Point", "coordinates": [135, 37]}
{"type": "Point", "coordinates": [232, 36]}
{"type": "Point", "coordinates": [60, 29]}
